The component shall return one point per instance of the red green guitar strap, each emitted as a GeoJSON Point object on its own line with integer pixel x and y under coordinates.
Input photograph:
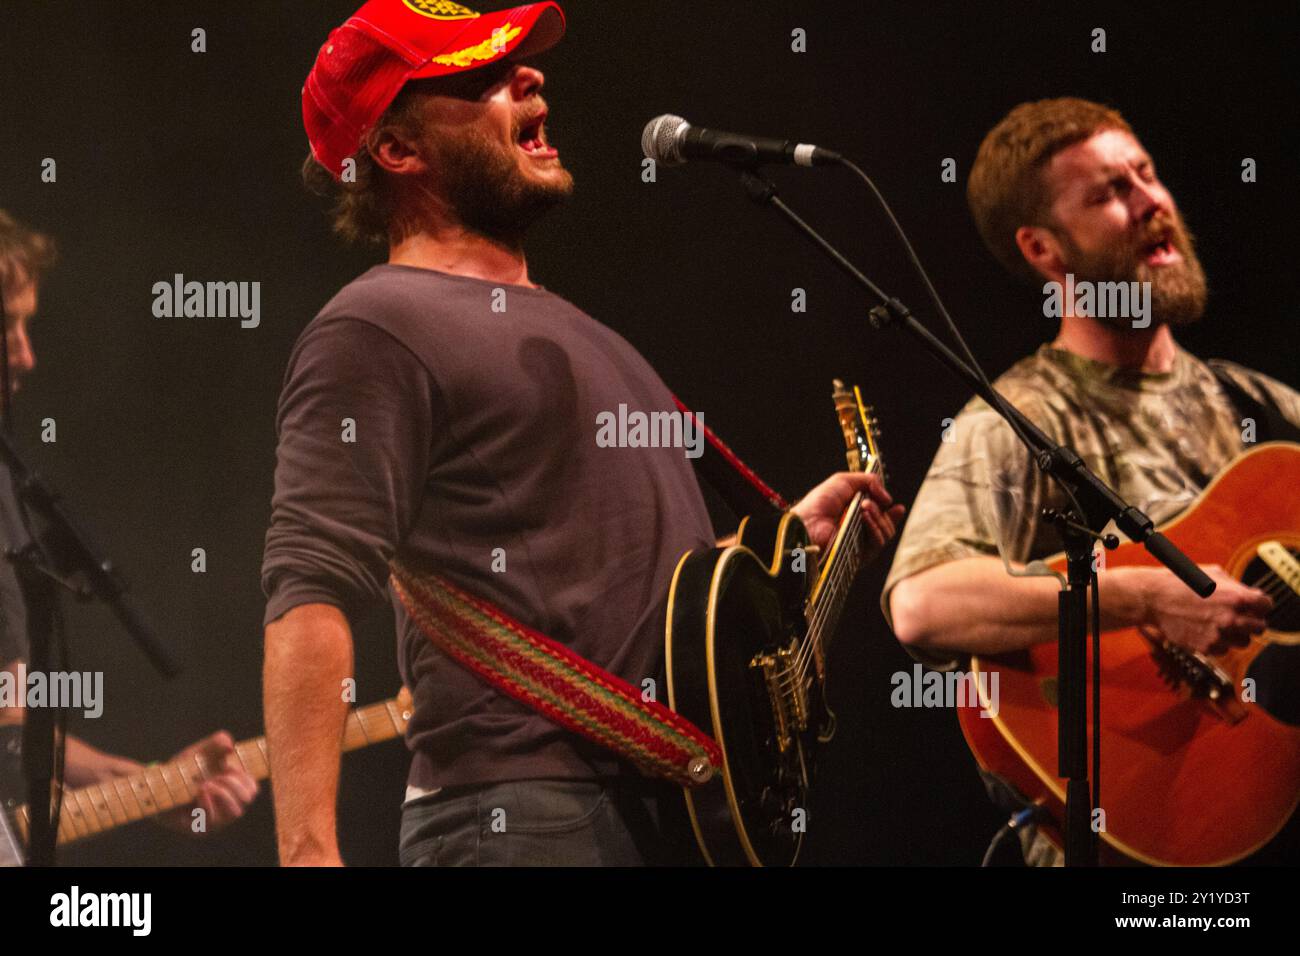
{"type": "Point", "coordinates": [564, 686]}
{"type": "Point", "coordinates": [735, 482]}
{"type": "Point", "coordinates": [550, 678]}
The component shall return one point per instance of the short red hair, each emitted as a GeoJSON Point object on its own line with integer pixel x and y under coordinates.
{"type": "Point", "coordinates": [1006, 187]}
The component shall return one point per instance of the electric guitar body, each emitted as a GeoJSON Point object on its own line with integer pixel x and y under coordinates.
{"type": "Point", "coordinates": [745, 651]}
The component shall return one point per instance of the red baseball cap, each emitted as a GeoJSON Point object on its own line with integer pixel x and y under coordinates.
{"type": "Point", "coordinates": [367, 60]}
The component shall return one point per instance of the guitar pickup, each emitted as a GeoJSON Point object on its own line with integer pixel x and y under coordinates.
{"type": "Point", "coordinates": [1282, 563]}
{"type": "Point", "coordinates": [786, 692]}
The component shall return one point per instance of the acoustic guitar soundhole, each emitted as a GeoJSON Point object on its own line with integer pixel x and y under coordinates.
{"type": "Point", "coordinates": [1285, 615]}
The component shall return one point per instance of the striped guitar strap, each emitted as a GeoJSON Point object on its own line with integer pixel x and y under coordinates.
{"type": "Point", "coordinates": [566, 687]}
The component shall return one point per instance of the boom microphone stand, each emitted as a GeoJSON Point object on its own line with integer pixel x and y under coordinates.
{"type": "Point", "coordinates": [1096, 504]}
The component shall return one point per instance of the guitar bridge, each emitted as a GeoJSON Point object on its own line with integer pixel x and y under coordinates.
{"type": "Point", "coordinates": [787, 692]}
{"type": "Point", "coordinates": [1203, 679]}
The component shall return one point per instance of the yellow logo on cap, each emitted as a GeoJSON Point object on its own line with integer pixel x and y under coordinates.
{"type": "Point", "coordinates": [487, 50]}
{"type": "Point", "coordinates": [441, 9]}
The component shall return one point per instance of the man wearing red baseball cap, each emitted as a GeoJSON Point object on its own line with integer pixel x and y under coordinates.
{"type": "Point", "coordinates": [441, 412]}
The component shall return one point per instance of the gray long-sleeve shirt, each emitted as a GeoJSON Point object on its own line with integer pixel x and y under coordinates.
{"type": "Point", "coordinates": [441, 418]}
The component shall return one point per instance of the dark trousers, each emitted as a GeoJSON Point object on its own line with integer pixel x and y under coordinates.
{"type": "Point", "coordinates": [549, 823]}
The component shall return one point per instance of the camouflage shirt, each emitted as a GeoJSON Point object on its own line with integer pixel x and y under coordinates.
{"type": "Point", "coordinates": [1156, 438]}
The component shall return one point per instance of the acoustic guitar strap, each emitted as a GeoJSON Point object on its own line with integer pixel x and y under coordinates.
{"type": "Point", "coordinates": [1270, 423]}
{"type": "Point", "coordinates": [566, 687]}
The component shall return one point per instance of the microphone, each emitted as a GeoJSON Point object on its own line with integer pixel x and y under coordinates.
{"type": "Point", "coordinates": [670, 141]}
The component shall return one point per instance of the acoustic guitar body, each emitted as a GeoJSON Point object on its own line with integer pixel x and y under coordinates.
{"type": "Point", "coordinates": [1187, 779]}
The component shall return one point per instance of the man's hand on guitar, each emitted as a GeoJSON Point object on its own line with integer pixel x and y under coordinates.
{"type": "Point", "coordinates": [224, 795]}
{"type": "Point", "coordinates": [1227, 618]}
{"type": "Point", "coordinates": [823, 507]}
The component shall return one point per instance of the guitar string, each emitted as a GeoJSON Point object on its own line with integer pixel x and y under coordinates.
{"type": "Point", "coordinates": [1269, 574]}
{"type": "Point", "coordinates": [1279, 599]}
{"type": "Point", "coordinates": [1276, 580]}
{"type": "Point", "coordinates": [1278, 589]}
{"type": "Point", "coordinates": [790, 678]}
{"type": "Point", "coordinates": [1283, 602]}
{"type": "Point", "coordinates": [794, 675]}
{"type": "Point", "coordinates": [843, 577]}
{"type": "Point", "coordinates": [1273, 588]}
{"type": "Point", "coordinates": [816, 619]}
{"type": "Point", "coordinates": [1280, 596]}
{"type": "Point", "coordinates": [832, 589]}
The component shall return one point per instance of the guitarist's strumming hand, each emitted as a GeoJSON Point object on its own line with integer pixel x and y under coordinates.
{"type": "Point", "coordinates": [1227, 618]}
{"type": "Point", "coordinates": [821, 509]}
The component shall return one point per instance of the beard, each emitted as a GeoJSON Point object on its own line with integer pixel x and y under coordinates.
{"type": "Point", "coordinates": [481, 179]}
{"type": "Point", "coordinates": [1178, 290]}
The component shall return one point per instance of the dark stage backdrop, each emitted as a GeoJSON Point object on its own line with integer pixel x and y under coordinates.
{"type": "Point", "coordinates": [170, 161]}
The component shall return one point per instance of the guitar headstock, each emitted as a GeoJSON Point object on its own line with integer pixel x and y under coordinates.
{"type": "Point", "coordinates": [860, 428]}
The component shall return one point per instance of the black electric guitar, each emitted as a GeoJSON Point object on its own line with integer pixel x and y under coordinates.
{"type": "Point", "coordinates": [745, 649]}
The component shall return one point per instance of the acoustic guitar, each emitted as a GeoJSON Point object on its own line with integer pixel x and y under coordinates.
{"type": "Point", "coordinates": [745, 646]}
{"type": "Point", "coordinates": [98, 808]}
{"type": "Point", "coordinates": [1199, 768]}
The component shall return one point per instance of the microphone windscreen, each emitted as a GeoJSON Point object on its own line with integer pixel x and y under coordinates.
{"type": "Point", "coordinates": [659, 139]}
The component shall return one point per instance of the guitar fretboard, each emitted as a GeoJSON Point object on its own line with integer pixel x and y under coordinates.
{"type": "Point", "coordinates": [827, 601]}
{"type": "Point", "coordinates": [91, 810]}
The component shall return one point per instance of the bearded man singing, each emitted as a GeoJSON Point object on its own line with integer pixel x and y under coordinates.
{"type": "Point", "coordinates": [440, 412]}
{"type": "Point", "coordinates": [1063, 193]}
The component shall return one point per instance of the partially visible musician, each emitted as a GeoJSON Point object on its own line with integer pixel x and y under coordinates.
{"type": "Point", "coordinates": [1063, 192]}
{"type": "Point", "coordinates": [25, 256]}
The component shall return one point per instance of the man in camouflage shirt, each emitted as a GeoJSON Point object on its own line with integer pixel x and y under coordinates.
{"type": "Point", "coordinates": [1062, 192]}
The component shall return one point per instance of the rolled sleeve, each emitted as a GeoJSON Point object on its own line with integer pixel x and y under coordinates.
{"type": "Point", "coordinates": [355, 427]}
{"type": "Point", "coordinates": [978, 499]}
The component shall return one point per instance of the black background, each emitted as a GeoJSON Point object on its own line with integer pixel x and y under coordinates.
{"type": "Point", "coordinates": [171, 161]}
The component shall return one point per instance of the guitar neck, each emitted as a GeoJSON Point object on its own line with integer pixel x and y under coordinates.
{"type": "Point", "coordinates": [844, 560]}
{"type": "Point", "coordinates": [100, 807]}
{"type": "Point", "coordinates": [844, 557]}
